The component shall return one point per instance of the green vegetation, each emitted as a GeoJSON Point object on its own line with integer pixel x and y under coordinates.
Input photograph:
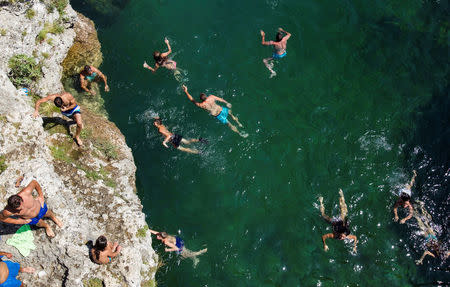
{"type": "Point", "coordinates": [3, 164]}
{"type": "Point", "coordinates": [50, 41]}
{"type": "Point", "coordinates": [52, 28]}
{"type": "Point", "coordinates": [45, 55]}
{"type": "Point", "coordinates": [142, 231]}
{"type": "Point", "coordinates": [2, 119]}
{"type": "Point", "coordinates": [59, 5]}
{"type": "Point", "coordinates": [93, 282]}
{"type": "Point", "coordinates": [3, 32]}
{"type": "Point", "coordinates": [24, 70]}
{"type": "Point", "coordinates": [24, 33]}
{"type": "Point", "coordinates": [107, 148]}
{"type": "Point", "coordinates": [30, 14]}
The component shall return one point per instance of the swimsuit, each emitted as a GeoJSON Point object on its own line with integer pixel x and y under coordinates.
{"type": "Point", "coordinates": [70, 113]}
{"type": "Point", "coordinates": [41, 214]}
{"type": "Point", "coordinates": [176, 140]}
{"type": "Point", "coordinates": [278, 56]}
{"type": "Point", "coordinates": [222, 117]}
{"type": "Point", "coordinates": [430, 237]}
{"type": "Point", "coordinates": [11, 281]}
{"type": "Point", "coordinates": [91, 77]}
{"type": "Point", "coordinates": [180, 244]}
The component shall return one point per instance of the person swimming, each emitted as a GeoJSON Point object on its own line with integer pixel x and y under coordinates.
{"type": "Point", "coordinates": [220, 113]}
{"type": "Point", "coordinates": [433, 248]}
{"type": "Point", "coordinates": [340, 226]}
{"type": "Point", "coordinates": [279, 48]}
{"type": "Point", "coordinates": [103, 251]}
{"type": "Point", "coordinates": [175, 139]}
{"type": "Point", "coordinates": [176, 244]}
{"type": "Point", "coordinates": [163, 60]}
{"type": "Point", "coordinates": [405, 200]}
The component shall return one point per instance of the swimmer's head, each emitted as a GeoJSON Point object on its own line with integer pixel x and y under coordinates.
{"type": "Point", "coordinates": [100, 245]}
{"type": "Point", "coordinates": [87, 69]}
{"type": "Point", "coordinates": [15, 201]}
{"type": "Point", "coordinates": [156, 55]}
{"type": "Point", "coordinates": [161, 235]}
{"type": "Point", "coordinates": [405, 197]}
{"type": "Point", "coordinates": [58, 102]}
{"type": "Point", "coordinates": [157, 121]}
{"type": "Point", "coordinates": [341, 228]}
{"type": "Point", "coordinates": [203, 97]}
{"type": "Point", "coordinates": [279, 37]}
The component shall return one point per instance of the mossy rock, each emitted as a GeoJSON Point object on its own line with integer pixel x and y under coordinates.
{"type": "Point", "coordinates": [93, 282]}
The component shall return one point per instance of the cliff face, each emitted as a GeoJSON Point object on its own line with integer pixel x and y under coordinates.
{"type": "Point", "coordinates": [91, 189]}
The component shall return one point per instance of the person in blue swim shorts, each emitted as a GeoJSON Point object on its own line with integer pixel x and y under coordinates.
{"type": "Point", "coordinates": [175, 243]}
{"type": "Point", "coordinates": [29, 210]}
{"type": "Point", "coordinates": [9, 271]}
{"type": "Point", "coordinates": [221, 113]}
{"type": "Point", "coordinates": [91, 74]}
{"type": "Point", "coordinates": [279, 48]}
{"type": "Point", "coordinates": [69, 108]}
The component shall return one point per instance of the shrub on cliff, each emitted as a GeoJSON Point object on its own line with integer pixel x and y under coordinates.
{"type": "Point", "coordinates": [24, 70]}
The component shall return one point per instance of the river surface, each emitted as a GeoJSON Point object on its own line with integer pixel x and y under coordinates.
{"type": "Point", "coordinates": [360, 100]}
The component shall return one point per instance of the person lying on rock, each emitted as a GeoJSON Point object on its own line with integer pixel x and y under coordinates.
{"type": "Point", "coordinates": [175, 243]}
{"type": "Point", "coordinates": [69, 108]}
{"type": "Point", "coordinates": [9, 271]}
{"type": "Point", "coordinates": [103, 251]}
{"type": "Point", "coordinates": [91, 74]}
{"type": "Point", "coordinates": [29, 210]}
{"type": "Point", "coordinates": [175, 139]}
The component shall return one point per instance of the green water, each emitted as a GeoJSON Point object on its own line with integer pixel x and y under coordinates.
{"type": "Point", "coordinates": [345, 111]}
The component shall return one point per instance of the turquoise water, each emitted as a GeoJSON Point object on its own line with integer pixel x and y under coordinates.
{"type": "Point", "coordinates": [356, 105]}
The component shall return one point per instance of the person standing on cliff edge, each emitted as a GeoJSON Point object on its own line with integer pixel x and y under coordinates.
{"type": "Point", "coordinates": [69, 108]}
{"type": "Point", "coordinates": [91, 74]}
{"type": "Point", "coordinates": [28, 209]}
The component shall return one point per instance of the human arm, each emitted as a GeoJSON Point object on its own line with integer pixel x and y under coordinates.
{"type": "Point", "coordinates": [5, 217]}
{"type": "Point", "coordinates": [425, 253]}
{"type": "Point", "coordinates": [104, 78]}
{"type": "Point", "coordinates": [166, 140]}
{"type": "Point", "coordinates": [7, 254]}
{"type": "Point", "coordinates": [150, 68]}
{"type": "Point", "coordinates": [263, 41]}
{"type": "Point", "coordinates": [32, 186]}
{"type": "Point", "coordinates": [221, 100]}
{"type": "Point", "coordinates": [355, 241]}
{"type": "Point", "coordinates": [288, 35]}
{"type": "Point", "coordinates": [411, 211]}
{"type": "Point", "coordinates": [168, 47]}
{"type": "Point", "coordinates": [153, 231]}
{"type": "Point", "coordinates": [411, 183]}
{"type": "Point", "coordinates": [83, 83]}
{"type": "Point", "coordinates": [324, 237]}
{"type": "Point", "coordinates": [172, 246]}
{"type": "Point", "coordinates": [395, 210]}
{"type": "Point", "coordinates": [185, 89]}
{"type": "Point", "coordinates": [43, 100]}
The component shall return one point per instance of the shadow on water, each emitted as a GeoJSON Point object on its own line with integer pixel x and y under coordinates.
{"type": "Point", "coordinates": [104, 12]}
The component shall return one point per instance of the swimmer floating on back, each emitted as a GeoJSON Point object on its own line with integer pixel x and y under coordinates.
{"type": "Point", "coordinates": [175, 139]}
{"type": "Point", "coordinates": [175, 243]}
{"type": "Point", "coordinates": [404, 200]}
{"type": "Point", "coordinates": [221, 113]}
{"type": "Point", "coordinates": [279, 48]}
{"type": "Point", "coordinates": [340, 225]}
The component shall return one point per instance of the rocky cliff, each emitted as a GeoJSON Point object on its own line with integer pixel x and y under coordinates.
{"type": "Point", "coordinates": [91, 188]}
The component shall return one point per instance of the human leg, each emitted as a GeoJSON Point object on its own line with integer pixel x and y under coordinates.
{"type": "Point", "coordinates": [342, 205]}
{"type": "Point", "coordinates": [189, 141]}
{"type": "Point", "coordinates": [79, 122]}
{"type": "Point", "coordinates": [322, 210]}
{"type": "Point", "coordinates": [41, 223]}
{"type": "Point", "coordinates": [53, 217]}
{"type": "Point", "coordinates": [188, 150]}
{"type": "Point", "coordinates": [269, 65]}
{"type": "Point", "coordinates": [235, 118]}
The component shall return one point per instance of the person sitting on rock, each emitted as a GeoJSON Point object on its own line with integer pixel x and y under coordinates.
{"type": "Point", "coordinates": [90, 74]}
{"type": "Point", "coordinates": [103, 251]}
{"type": "Point", "coordinates": [177, 244]}
{"type": "Point", "coordinates": [69, 108]}
{"type": "Point", "coordinates": [9, 271]}
{"type": "Point", "coordinates": [29, 210]}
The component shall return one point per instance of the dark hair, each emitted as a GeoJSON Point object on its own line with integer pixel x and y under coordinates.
{"type": "Point", "coordinates": [158, 121]}
{"type": "Point", "coordinates": [279, 37]}
{"type": "Point", "coordinates": [163, 234]}
{"type": "Point", "coordinates": [340, 227]}
{"type": "Point", "coordinates": [405, 197]}
{"type": "Point", "coordinates": [58, 102]}
{"type": "Point", "coordinates": [87, 68]}
{"type": "Point", "coordinates": [158, 59]}
{"type": "Point", "coordinates": [100, 245]}
{"type": "Point", "coordinates": [203, 97]}
{"type": "Point", "coordinates": [15, 201]}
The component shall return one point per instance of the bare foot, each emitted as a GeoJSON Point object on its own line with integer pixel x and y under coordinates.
{"type": "Point", "coordinates": [146, 65]}
{"type": "Point", "coordinates": [19, 180]}
{"type": "Point", "coordinates": [243, 134]}
{"type": "Point", "coordinates": [58, 222]}
{"type": "Point", "coordinates": [273, 74]}
{"type": "Point", "coordinates": [341, 193]}
{"type": "Point", "coordinates": [27, 270]}
{"type": "Point", "coordinates": [320, 199]}
{"type": "Point", "coordinates": [49, 232]}
{"type": "Point", "coordinates": [79, 141]}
